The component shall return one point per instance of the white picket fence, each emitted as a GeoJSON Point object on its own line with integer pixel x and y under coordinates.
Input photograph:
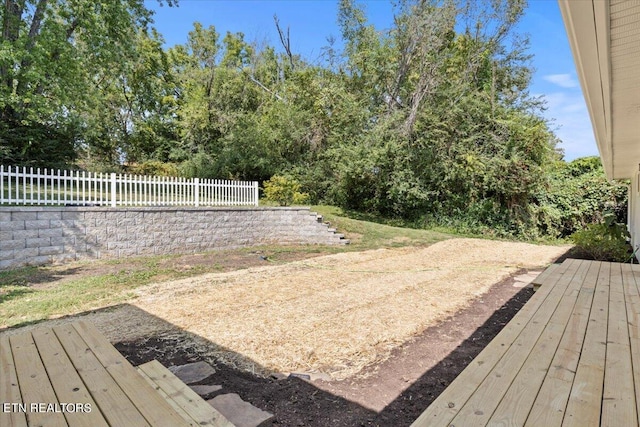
{"type": "Point", "coordinates": [26, 186]}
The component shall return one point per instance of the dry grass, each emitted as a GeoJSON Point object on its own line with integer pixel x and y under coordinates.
{"type": "Point", "coordinates": [334, 314]}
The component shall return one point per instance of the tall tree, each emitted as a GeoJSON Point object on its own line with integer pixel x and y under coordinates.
{"type": "Point", "coordinates": [53, 55]}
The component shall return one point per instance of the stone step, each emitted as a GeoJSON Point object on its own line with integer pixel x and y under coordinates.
{"type": "Point", "coordinates": [193, 372]}
{"type": "Point", "coordinates": [239, 412]}
{"type": "Point", "coordinates": [205, 390]}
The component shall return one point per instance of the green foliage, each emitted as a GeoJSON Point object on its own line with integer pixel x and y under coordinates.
{"type": "Point", "coordinates": [427, 122]}
{"type": "Point", "coordinates": [65, 70]}
{"type": "Point", "coordinates": [606, 241]}
{"type": "Point", "coordinates": [577, 194]}
{"type": "Point", "coordinates": [283, 190]}
{"type": "Point", "coordinates": [153, 167]}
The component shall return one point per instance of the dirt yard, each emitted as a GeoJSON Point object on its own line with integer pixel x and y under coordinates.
{"type": "Point", "coordinates": [333, 315]}
{"type": "Point", "coordinates": [380, 333]}
{"type": "Point", "coordinates": [389, 394]}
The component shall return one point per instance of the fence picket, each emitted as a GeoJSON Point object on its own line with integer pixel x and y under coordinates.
{"type": "Point", "coordinates": [19, 185]}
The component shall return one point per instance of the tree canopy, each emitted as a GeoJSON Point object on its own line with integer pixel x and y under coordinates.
{"type": "Point", "coordinates": [429, 121]}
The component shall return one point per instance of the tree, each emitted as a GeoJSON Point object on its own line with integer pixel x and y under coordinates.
{"type": "Point", "coordinates": [450, 133]}
{"type": "Point", "coordinates": [131, 114]}
{"type": "Point", "coordinates": [53, 56]}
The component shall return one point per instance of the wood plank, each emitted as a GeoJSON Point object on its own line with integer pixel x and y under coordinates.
{"type": "Point", "coordinates": [583, 408]}
{"type": "Point", "coordinates": [449, 403]}
{"type": "Point", "coordinates": [111, 400]}
{"type": "Point", "coordinates": [632, 298]}
{"type": "Point", "coordinates": [546, 276]}
{"type": "Point", "coordinates": [514, 408]}
{"type": "Point", "coordinates": [155, 409]}
{"type": "Point", "coordinates": [184, 414]}
{"type": "Point", "coordinates": [618, 400]}
{"type": "Point", "coordinates": [186, 400]}
{"type": "Point", "coordinates": [479, 408]}
{"type": "Point", "coordinates": [34, 382]}
{"type": "Point", "coordinates": [9, 388]}
{"type": "Point", "coordinates": [65, 381]}
{"type": "Point", "coordinates": [549, 407]}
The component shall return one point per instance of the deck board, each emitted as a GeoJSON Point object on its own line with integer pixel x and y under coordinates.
{"type": "Point", "coordinates": [181, 397]}
{"type": "Point", "coordinates": [153, 407]}
{"type": "Point", "coordinates": [549, 407]}
{"type": "Point", "coordinates": [70, 375]}
{"type": "Point", "coordinates": [454, 397]}
{"type": "Point", "coordinates": [618, 400]}
{"type": "Point", "coordinates": [632, 300]}
{"type": "Point", "coordinates": [547, 276]}
{"type": "Point", "coordinates": [111, 400]}
{"type": "Point", "coordinates": [35, 387]}
{"type": "Point", "coordinates": [527, 382]}
{"type": "Point", "coordinates": [570, 357]}
{"type": "Point", "coordinates": [66, 382]}
{"type": "Point", "coordinates": [490, 393]}
{"type": "Point", "coordinates": [9, 388]}
{"type": "Point", "coordinates": [585, 400]}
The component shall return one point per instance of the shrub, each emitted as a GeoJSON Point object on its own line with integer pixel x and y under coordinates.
{"type": "Point", "coordinates": [284, 191]}
{"type": "Point", "coordinates": [604, 241]}
{"type": "Point", "coordinates": [153, 167]}
{"type": "Point", "coordinates": [577, 195]}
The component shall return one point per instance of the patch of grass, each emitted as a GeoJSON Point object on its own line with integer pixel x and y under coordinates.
{"type": "Point", "coordinates": [24, 298]}
{"type": "Point", "coordinates": [367, 234]}
{"type": "Point", "coordinates": [32, 294]}
{"type": "Point", "coordinates": [13, 283]}
{"type": "Point", "coordinates": [17, 277]}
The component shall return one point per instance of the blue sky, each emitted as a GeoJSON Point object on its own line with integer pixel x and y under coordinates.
{"type": "Point", "coordinates": [312, 21]}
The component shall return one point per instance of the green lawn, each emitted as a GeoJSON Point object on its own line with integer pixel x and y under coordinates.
{"type": "Point", "coordinates": [372, 235]}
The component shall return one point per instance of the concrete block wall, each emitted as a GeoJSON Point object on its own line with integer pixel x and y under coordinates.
{"type": "Point", "coordinates": [40, 235]}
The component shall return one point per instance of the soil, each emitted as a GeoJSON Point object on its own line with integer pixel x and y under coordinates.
{"type": "Point", "coordinates": [368, 308]}
{"type": "Point", "coordinates": [213, 261]}
{"type": "Point", "coordinates": [392, 393]}
{"type": "Point", "coordinates": [332, 315]}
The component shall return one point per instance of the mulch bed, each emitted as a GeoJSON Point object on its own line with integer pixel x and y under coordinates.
{"type": "Point", "coordinates": [393, 393]}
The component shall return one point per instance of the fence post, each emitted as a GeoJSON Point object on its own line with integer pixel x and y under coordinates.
{"type": "Point", "coordinates": [255, 193]}
{"type": "Point", "coordinates": [196, 191]}
{"type": "Point", "coordinates": [2, 184]}
{"type": "Point", "coordinates": [113, 189]}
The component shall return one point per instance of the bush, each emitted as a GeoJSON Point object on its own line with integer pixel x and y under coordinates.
{"type": "Point", "coordinates": [605, 241]}
{"type": "Point", "coordinates": [284, 191]}
{"type": "Point", "coordinates": [577, 195]}
{"type": "Point", "coordinates": [154, 168]}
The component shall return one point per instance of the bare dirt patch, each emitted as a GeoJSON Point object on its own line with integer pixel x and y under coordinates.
{"type": "Point", "coordinates": [220, 261]}
{"type": "Point", "coordinates": [393, 394]}
{"type": "Point", "coordinates": [395, 325]}
{"type": "Point", "coordinates": [335, 314]}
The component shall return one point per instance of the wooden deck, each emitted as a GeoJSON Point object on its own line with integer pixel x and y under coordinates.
{"type": "Point", "coordinates": [71, 375]}
{"type": "Point", "coordinates": [570, 357]}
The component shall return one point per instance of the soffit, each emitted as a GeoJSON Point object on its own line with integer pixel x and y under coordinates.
{"type": "Point", "coordinates": [625, 86]}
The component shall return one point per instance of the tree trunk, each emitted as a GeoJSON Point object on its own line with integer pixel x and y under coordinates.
{"type": "Point", "coordinates": [13, 11]}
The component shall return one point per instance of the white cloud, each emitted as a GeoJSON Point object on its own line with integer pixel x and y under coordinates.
{"type": "Point", "coordinates": [562, 80]}
{"type": "Point", "coordinates": [571, 123]}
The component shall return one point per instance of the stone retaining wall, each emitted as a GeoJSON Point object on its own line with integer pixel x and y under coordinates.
{"type": "Point", "coordinates": [36, 235]}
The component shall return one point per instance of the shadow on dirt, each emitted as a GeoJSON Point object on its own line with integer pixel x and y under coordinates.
{"type": "Point", "coordinates": [297, 402]}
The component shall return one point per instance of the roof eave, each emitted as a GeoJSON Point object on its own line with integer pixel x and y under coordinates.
{"type": "Point", "coordinates": [587, 25]}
